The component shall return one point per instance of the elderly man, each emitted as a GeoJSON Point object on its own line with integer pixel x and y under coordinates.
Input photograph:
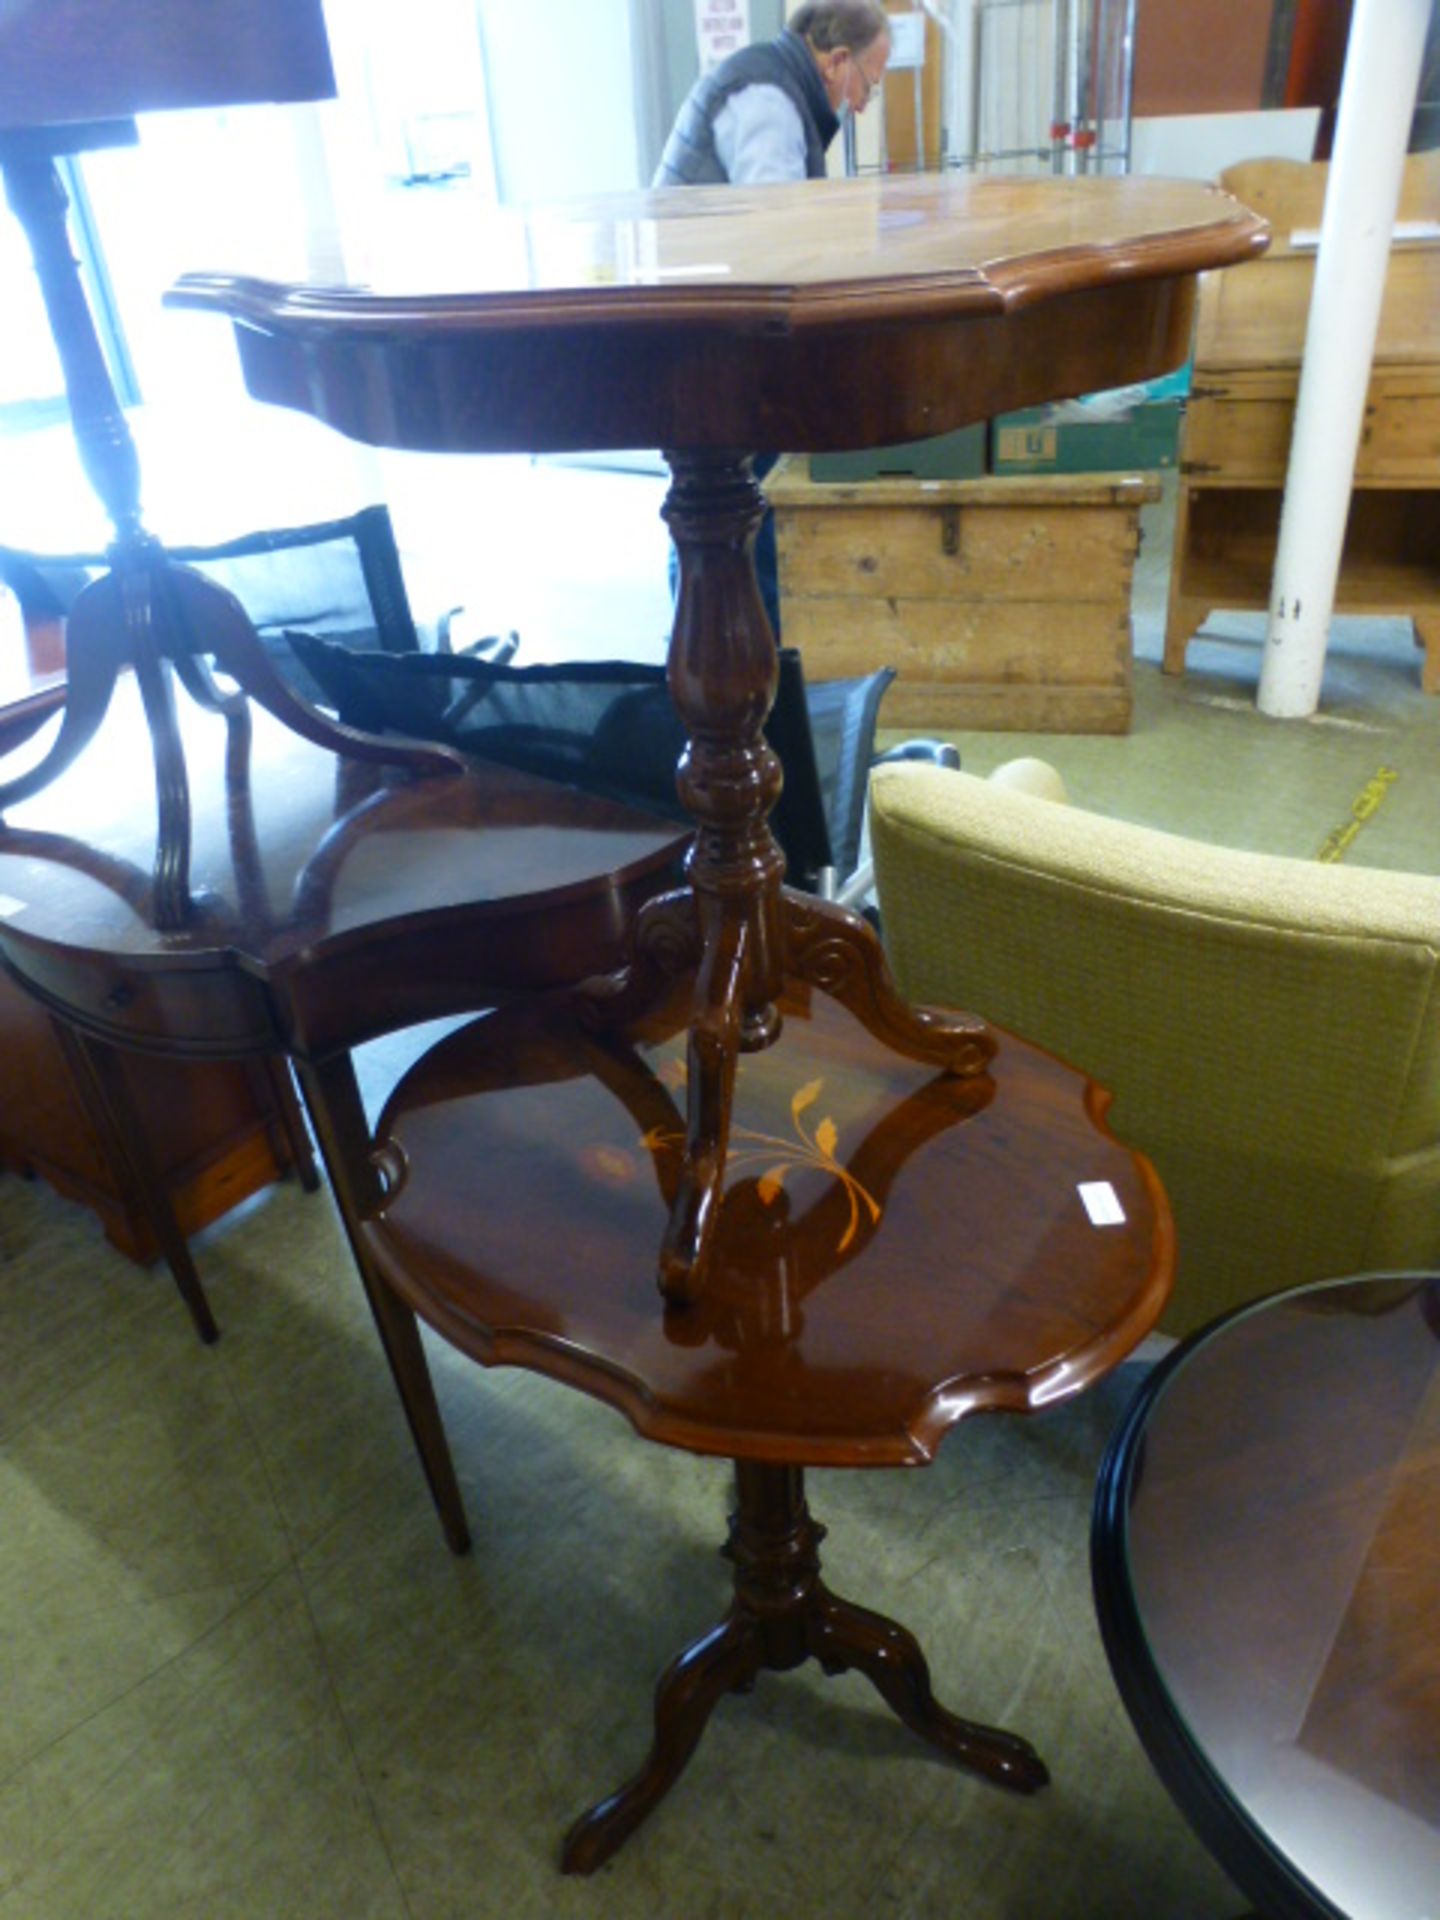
{"type": "Point", "coordinates": [769, 112]}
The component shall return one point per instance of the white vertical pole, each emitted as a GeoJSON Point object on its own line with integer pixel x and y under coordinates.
{"type": "Point", "coordinates": [1377, 101]}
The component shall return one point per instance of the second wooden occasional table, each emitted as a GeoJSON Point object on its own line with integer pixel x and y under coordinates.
{"type": "Point", "coordinates": [335, 901]}
{"type": "Point", "coordinates": [1268, 1578]}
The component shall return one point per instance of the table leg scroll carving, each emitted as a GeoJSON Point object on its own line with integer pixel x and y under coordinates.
{"type": "Point", "coordinates": [833, 949]}
{"type": "Point", "coordinates": [664, 943]}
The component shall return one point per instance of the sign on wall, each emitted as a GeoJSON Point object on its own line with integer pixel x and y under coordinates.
{"type": "Point", "coordinates": [721, 28]}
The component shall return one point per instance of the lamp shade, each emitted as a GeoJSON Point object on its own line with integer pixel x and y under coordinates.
{"type": "Point", "coordinates": [77, 60]}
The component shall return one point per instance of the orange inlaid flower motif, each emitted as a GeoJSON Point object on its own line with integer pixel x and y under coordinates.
{"type": "Point", "coordinates": [814, 1150]}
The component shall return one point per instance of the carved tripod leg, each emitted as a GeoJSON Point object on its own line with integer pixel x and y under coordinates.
{"type": "Point", "coordinates": [835, 950]}
{"type": "Point", "coordinates": [726, 1658]}
{"type": "Point", "coordinates": [773, 1547]}
{"type": "Point", "coordinates": [842, 1635]}
{"type": "Point", "coordinates": [145, 644]}
{"type": "Point", "coordinates": [713, 1044]}
{"type": "Point", "coordinates": [94, 644]}
{"type": "Point", "coordinates": [206, 619]}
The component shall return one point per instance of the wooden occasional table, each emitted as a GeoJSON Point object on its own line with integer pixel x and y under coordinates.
{"type": "Point", "coordinates": [1268, 1581]}
{"type": "Point", "coordinates": [865, 1221]}
{"type": "Point", "coordinates": [819, 316]}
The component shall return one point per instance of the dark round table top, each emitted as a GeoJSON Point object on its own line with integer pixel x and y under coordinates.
{"type": "Point", "coordinates": [896, 1247]}
{"type": "Point", "coordinates": [1267, 1566]}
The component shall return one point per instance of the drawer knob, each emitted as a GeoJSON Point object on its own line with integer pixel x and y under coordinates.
{"type": "Point", "coordinates": [119, 997]}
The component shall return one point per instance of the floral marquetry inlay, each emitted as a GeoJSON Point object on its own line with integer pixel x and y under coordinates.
{"type": "Point", "coordinates": [776, 1155]}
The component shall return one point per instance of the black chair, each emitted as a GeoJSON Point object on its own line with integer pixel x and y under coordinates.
{"type": "Point", "coordinates": [610, 728]}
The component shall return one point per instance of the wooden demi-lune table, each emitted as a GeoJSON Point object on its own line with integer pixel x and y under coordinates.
{"type": "Point", "coordinates": [1268, 1580]}
{"type": "Point", "coordinates": [333, 900]}
{"type": "Point", "coordinates": [865, 1220]}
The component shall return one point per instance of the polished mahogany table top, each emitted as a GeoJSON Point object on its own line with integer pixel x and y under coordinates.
{"type": "Point", "coordinates": [333, 900]}
{"type": "Point", "coordinates": [897, 1247]}
{"type": "Point", "coordinates": [830, 313]}
{"type": "Point", "coordinates": [1267, 1559]}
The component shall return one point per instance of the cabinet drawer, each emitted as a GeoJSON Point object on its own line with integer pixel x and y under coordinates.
{"type": "Point", "coordinates": [1238, 435]}
{"type": "Point", "coordinates": [1241, 431]}
{"type": "Point", "coordinates": [215, 1010]}
{"type": "Point", "coordinates": [1401, 436]}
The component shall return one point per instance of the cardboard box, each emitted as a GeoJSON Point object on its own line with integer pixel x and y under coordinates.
{"type": "Point", "coordinates": [1052, 440]}
{"type": "Point", "coordinates": [948, 456]}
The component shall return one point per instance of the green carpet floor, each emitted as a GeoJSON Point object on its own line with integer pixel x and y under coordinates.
{"type": "Point", "coordinates": [242, 1679]}
{"type": "Point", "coordinates": [1357, 781]}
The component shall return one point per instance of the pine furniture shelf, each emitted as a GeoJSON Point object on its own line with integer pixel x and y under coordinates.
{"type": "Point", "coordinates": [1235, 446]}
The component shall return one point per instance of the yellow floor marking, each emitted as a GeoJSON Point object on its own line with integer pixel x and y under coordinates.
{"type": "Point", "coordinates": [1366, 804]}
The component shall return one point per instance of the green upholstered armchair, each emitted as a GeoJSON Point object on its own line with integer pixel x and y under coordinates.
{"type": "Point", "coordinates": [1267, 1026]}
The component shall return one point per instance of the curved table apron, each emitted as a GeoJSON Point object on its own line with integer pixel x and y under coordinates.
{"type": "Point", "coordinates": [334, 900]}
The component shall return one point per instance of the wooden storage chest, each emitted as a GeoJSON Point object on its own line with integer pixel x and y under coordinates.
{"type": "Point", "coordinates": [1001, 603]}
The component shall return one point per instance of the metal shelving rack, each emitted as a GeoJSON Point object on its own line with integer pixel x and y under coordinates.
{"type": "Point", "coordinates": [1038, 86]}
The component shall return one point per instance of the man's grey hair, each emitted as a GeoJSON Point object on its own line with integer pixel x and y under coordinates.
{"type": "Point", "coordinates": [828, 24]}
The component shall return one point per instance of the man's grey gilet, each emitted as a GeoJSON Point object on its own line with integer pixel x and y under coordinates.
{"type": "Point", "coordinates": [690, 159]}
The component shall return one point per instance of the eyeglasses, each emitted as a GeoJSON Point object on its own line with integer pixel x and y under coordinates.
{"type": "Point", "coordinates": [868, 83]}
